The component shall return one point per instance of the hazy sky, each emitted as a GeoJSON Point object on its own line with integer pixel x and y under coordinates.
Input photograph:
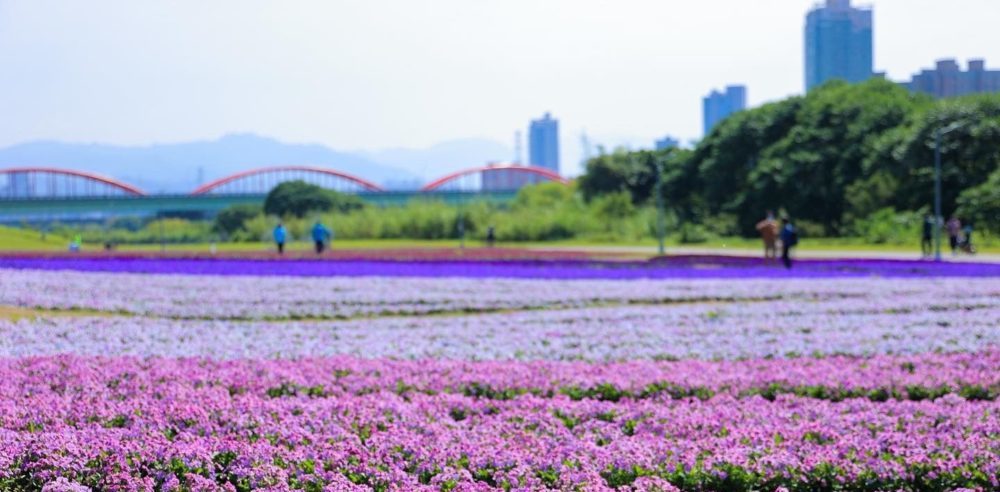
{"type": "Point", "coordinates": [411, 73]}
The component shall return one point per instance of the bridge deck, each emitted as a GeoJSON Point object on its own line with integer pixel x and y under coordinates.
{"type": "Point", "coordinates": [98, 208]}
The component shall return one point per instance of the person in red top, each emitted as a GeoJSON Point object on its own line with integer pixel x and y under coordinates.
{"type": "Point", "coordinates": [768, 229]}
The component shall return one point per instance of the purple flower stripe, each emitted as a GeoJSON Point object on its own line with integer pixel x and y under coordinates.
{"type": "Point", "coordinates": [682, 267]}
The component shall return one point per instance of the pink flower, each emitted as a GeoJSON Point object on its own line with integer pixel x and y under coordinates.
{"type": "Point", "coordinates": [62, 485]}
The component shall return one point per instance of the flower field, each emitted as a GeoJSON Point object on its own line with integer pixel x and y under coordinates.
{"type": "Point", "coordinates": [218, 377]}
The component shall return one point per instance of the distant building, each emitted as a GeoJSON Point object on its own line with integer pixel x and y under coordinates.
{"type": "Point", "coordinates": [718, 105]}
{"type": "Point", "coordinates": [948, 80]}
{"type": "Point", "coordinates": [838, 43]}
{"type": "Point", "coordinates": [667, 143]}
{"type": "Point", "coordinates": [543, 143]}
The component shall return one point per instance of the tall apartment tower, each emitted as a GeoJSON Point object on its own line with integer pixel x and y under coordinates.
{"type": "Point", "coordinates": [543, 143]}
{"type": "Point", "coordinates": [718, 105]}
{"type": "Point", "coordinates": [838, 43]}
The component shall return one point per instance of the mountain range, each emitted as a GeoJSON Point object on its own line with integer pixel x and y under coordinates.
{"type": "Point", "coordinates": [180, 167]}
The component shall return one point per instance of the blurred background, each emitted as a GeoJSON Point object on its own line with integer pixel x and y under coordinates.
{"type": "Point", "coordinates": [587, 123]}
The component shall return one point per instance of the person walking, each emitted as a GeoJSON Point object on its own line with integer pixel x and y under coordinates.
{"type": "Point", "coordinates": [954, 227]}
{"type": "Point", "coordinates": [967, 245]}
{"type": "Point", "coordinates": [927, 238]}
{"type": "Point", "coordinates": [789, 239]}
{"type": "Point", "coordinates": [491, 236]}
{"type": "Point", "coordinates": [768, 229]}
{"type": "Point", "coordinates": [320, 235]}
{"type": "Point", "coordinates": [280, 235]}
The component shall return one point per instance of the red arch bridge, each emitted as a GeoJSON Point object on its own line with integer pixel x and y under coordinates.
{"type": "Point", "coordinates": [27, 193]}
{"type": "Point", "coordinates": [46, 182]}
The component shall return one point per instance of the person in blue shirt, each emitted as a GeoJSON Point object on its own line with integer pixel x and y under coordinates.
{"type": "Point", "coordinates": [789, 238]}
{"type": "Point", "coordinates": [280, 235]}
{"type": "Point", "coordinates": [967, 239]}
{"type": "Point", "coordinates": [320, 235]}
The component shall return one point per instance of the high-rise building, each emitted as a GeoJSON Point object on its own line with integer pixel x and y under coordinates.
{"type": "Point", "coordinates": [718, 105]}
{"type": "Point", "coordinates": [543, 143]}
{"type": "Point", "coordinates": [948, 80]}
{"type": "Point", "coordinates": [667, 142]}
{"type": "Point", "coordinates": [838, 43]}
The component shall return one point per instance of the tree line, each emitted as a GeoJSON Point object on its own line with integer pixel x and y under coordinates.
{"type": "Point", "coordinates": [833, 159]}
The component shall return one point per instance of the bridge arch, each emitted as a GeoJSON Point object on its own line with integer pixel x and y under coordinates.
{"type": "Point", "coordinates": [51, 182]}
{"type": "Point", "coordinates": [262, 179]}
{"type": "Point", "coordinates": [496, 176]}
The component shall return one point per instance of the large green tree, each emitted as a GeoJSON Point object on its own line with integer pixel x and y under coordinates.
{"type": "Point", "coordinates": [630, 172]}
{"type": "Point", "coordinates": [970, 151]}
{"type": "Point", "coordinates": [731, 170]}
{"type": "Point", "coordinates": [299, 198]}
{"type": "Point", "coordinates": [800, 154]}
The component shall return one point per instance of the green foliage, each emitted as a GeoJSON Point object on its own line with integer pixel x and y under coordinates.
{"type": "Point", "coordinates": [694, 234]}
{"type": "Point", "coordinates": [170, 231]}
{"type": "Point", "coordinates": [232, 220]}
{"type": "Point", "coordinates": [869, 195]}
{"type": "Point", "coordinates": [800, 154]}
{"type": "Point", "coordinates": [543, 195]}
{"type": "Point", "coordinates": [613, 206]}
{"type": "Point", "coordinates": [831, 159]}
{"type": "Point", "coordinates": [621, 171]}
{"type": "Point", "coordinates": [981, 204]}
{"type": "Point", "coordinates": [298, 198]}
{"type": "Point", "coordinates": [630, 172]}
{"type": "Point", "coordinates": [886, 226]}
{"type": "Point", "coordinates": [969, 152]}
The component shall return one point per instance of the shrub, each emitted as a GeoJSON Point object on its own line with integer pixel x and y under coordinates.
{"type": "Point", "coordinates": [693, 234]}
{"type": "Point", "coordinates": [233, 219]}
{"type": "Point", "coordinates": [886, 226]}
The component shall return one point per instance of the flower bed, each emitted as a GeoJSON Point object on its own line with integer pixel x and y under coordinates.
{"type": "Point", "coordinates": [184, 381]}
{"type": "Point", "coordinates": [113, 423]}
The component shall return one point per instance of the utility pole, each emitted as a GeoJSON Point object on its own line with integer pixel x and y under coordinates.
{"type": "Point", "coordinates": [461, 228]}
{"type": "Point", "coordinates": [163, 237]}
{"type": "Point", "coordinates": [938, 219]}
{"type": "Point", "coordinates": [660, 219]}
{"type": "Point", "coordinates": [940, 132]}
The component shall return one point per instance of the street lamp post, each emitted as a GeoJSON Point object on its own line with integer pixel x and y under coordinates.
{"type": "Point", "coordinates": [461, 228]}
{"type": "Point", "coordinates": [163, 238]}
{"type": "Point", "coordinates": [937, 195]}
{"type": "Point", "coordinates": [660, 219]}
{"type": "Point", "coordinates": [940, 132]}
